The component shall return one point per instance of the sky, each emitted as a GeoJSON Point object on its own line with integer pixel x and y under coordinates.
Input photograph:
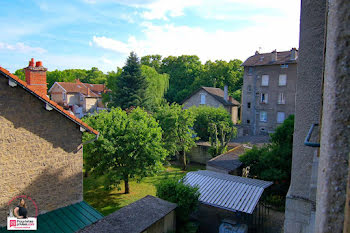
{"type": "Point", "coordinates": [102, 33]}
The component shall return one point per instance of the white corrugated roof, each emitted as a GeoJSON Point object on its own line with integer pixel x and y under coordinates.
{"type": "Point", "coordinates": [229, 192]}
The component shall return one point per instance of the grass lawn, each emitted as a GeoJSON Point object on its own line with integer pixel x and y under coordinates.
{"type": "Point", "coordinates": [108, 201]}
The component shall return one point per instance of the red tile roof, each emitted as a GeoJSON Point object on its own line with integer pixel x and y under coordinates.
{"type": "Point", "coordinates": [45, 99]}
{"type": "Point", "coordinates": [79, 87]}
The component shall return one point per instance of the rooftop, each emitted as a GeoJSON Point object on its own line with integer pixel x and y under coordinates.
{"type": "Point", "coordinates": [5, 73]}
{"type": "Point", "coordinates": [67, 219]}
{"type": "Point", "coordinates": [228, 161]}
{"type": "Point", "coordinates": [261, 59]}
{"type": "Point", "coordinates": [233, 193]}
{"type": "Point", "coordinates": [83, 88]}
{"type": "Point", "coordinates": [135, 218]}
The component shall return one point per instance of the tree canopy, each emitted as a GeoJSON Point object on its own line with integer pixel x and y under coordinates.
{"type": "Point", "coordinates": [129, 146]}
{"type": "Point", "coordinates": [177, 126]}
{"type": "Point", "coordinates": [131, 85]}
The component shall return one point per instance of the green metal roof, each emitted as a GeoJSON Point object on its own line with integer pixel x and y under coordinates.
{"type": "Point", "coordinates": [68, 219]}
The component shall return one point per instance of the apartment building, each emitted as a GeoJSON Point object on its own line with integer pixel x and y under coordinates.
{"type": "Point", "coordinates": [268, 92]}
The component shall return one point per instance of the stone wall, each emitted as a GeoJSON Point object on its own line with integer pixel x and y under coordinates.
{"type": "Point", "coordinates": [38, 153]}
{"type": "Point", "coordinates": [90, 104]}
{"type": "Point", "coordinates": [301, 198]}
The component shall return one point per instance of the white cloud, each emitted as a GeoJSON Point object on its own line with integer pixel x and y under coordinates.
{"type": "Point", "coordinates": [21, 48]}
{"type": "Point", "coordinates": [160, 9]}
{"type": "Point", "coordinates": [269, 33]}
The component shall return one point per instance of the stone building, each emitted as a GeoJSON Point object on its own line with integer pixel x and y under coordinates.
{"type": "Point", "coordinates": [80, 98]}
{"type": "Point", "coordinates": [318, 199]}
{"type": "Point", "coordinates": [214, 97]}
{"type": "Point", "coordinates": [41, 153]}
{"type": "Point", "coordinates": [268, 92]}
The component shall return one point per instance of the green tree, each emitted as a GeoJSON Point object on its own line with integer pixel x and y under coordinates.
{"type": "Point", "coordinates": [273, 162]}
{"type": "Point", "coordinates": [157, 85]}
{"type": "Point", "coordinates": [20, 74]}
{"type": "Point", "coordinates": [185, 196]}
{"type": "Point", "coordinates": [205, 116]}
{"type": "Point", "coordinates": [221, 134]}
{"type": "Point", "coordinates": [182, 71]}
{"type": "Point", "coordinates": [154, 61]}
{"type": "Point", "coordinates": [94, 76]}
{"type": "Point", "coordinates": [130, 86]}
{"type": "Point", "coordinates": [178, 135]}
{"type": "Point", "coordinates": [129, 146]}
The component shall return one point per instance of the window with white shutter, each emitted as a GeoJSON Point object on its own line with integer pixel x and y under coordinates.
{"type": "Point", "coordinates": [263, 116]}
{"type": "Point", "coordinates": [202, 98]}
{"type": "Point", "coordinates": [264, 98]}
{"type": "Point", "coordinates": [281, 99]}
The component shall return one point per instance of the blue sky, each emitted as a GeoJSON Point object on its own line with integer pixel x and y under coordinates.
{"type": "Point", "coordinates": [101, 33]}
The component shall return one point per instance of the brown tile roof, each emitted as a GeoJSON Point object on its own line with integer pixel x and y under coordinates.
{"type": "Point", "coordinates": [79, 87]}
{"type": "Point", "coordinates": [228, 161]}
{"type": "Point", "coordinates": [261, 59]}
{"type": "Point", "coordinates": [219, 95]}
{"type": "Point", "coordinates": [45, 99]}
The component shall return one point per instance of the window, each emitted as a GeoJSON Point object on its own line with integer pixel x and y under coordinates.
{"type": "Point", "coordinates": [202, 98]}
{"type": "Point", "coordinates": [249, 88]}
{"type": "Point", "coordinates": [248, 104]}
{"type": "Point", "coordinates": [280, 117]}
{"type": "Point", "coordinates": [282, 81]}
{"type": "Point", "coordinates": [263, 116]}
{"type": "Point", "coordinates": [250, 70]}
{"type": "Point", "coordinates": [248, 121]}
{"type": "Point", "coordinates": [281, 99]}
{"type": "Point", "coordinates": [81, 97]}
{"type": "Point", "coordinates": [264, 98]}
{"type": "Point", "coordinates": [64, 96]}
{"type": "Point", "coordinates": [265, 80]}
{"type": "Point", "coordinates": [284, 66]}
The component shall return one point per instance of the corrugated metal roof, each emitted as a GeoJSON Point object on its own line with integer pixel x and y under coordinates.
{"type": "Point", "coordinates": [228, 192]}
{"type": "Point", "coordinates": [68, 219]}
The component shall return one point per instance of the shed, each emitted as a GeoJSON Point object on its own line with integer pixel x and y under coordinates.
{"type": "Point", "coordinates": [149, 214]}
{"type": "Point", "coordinates": [228, 162]}
{"type": "Point", "coordinates": [224, 196]}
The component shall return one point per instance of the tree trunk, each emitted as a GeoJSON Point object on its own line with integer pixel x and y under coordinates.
{"type": "Point", "coordinates": [126, 184]}
{"type": "Point", "coordinates": [184, 160]}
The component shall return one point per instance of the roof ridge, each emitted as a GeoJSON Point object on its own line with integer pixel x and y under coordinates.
{"type": "Point", "coordinates": [45, 99]}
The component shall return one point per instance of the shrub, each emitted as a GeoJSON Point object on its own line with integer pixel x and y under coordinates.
{"type": "Point", "coordinates": [185, 196]}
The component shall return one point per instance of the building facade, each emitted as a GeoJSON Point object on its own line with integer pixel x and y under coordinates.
{"type": "Point", "coordinates": [41, 153]}
{"type": "Point", "coordinates": [268, 92]}
{"type": "Point", "coordinates": [214, 97]}
{"type": "Point", "coordinates": [80, 98]}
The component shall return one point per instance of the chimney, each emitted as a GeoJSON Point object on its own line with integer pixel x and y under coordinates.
{"type": "Point", "coordinates": [88, 92]}
{"type": "Point", "coordinates": [256, 52]}
{"type": "Point", "coordinates": [293, 54]}
{"type": "Point", "coordinates": [226, 92]}
{"type": "Point", "coordinates": [274, 56]}
{"type": "Point", "coordinates": [230, 99]}
{"type": "Point", "coordinates": [36, 77]}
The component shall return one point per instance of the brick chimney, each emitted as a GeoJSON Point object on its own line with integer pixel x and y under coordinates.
{"type": "Point", "coordinates": [293, 54]}
{"type": "Point", "coordinates": [36, 77]}
{"type": "Point", "coordinates": [274, 56]}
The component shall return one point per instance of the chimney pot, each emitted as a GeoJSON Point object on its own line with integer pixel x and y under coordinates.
{"type": "Point", "coordinates": [39, 64]}
{"type": "Point", "coordinates": [293, 54]}
{"type": "Point", "coordinates": [31, 62]}
{"type": "Point", "coordinates": [256, 52]}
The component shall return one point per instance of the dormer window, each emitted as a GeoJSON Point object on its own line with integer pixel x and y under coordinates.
{"type": "Point", "coordinates": [64, 96]}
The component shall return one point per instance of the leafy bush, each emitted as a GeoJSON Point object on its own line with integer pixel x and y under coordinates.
{"type": "Point", "coordinates": [206, 116]}
{"type": "Point", "coordinates": [186, 198]}
{"type": "Point", "coordinates": [274, 161]}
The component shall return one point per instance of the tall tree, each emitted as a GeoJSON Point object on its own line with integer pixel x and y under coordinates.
{"type": "Point", "coordinates": [177, 124]}
{"type": "Point", "coordinates": [157, 85]}
{"type": "Point", "coordinates": [154, 61]}
{"type": "Point", "coordinates": [129, 146]}
{"type": "Point", "coordinates": [130, 86]}
{"type": "Point", "coordinates": [182, 71]}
